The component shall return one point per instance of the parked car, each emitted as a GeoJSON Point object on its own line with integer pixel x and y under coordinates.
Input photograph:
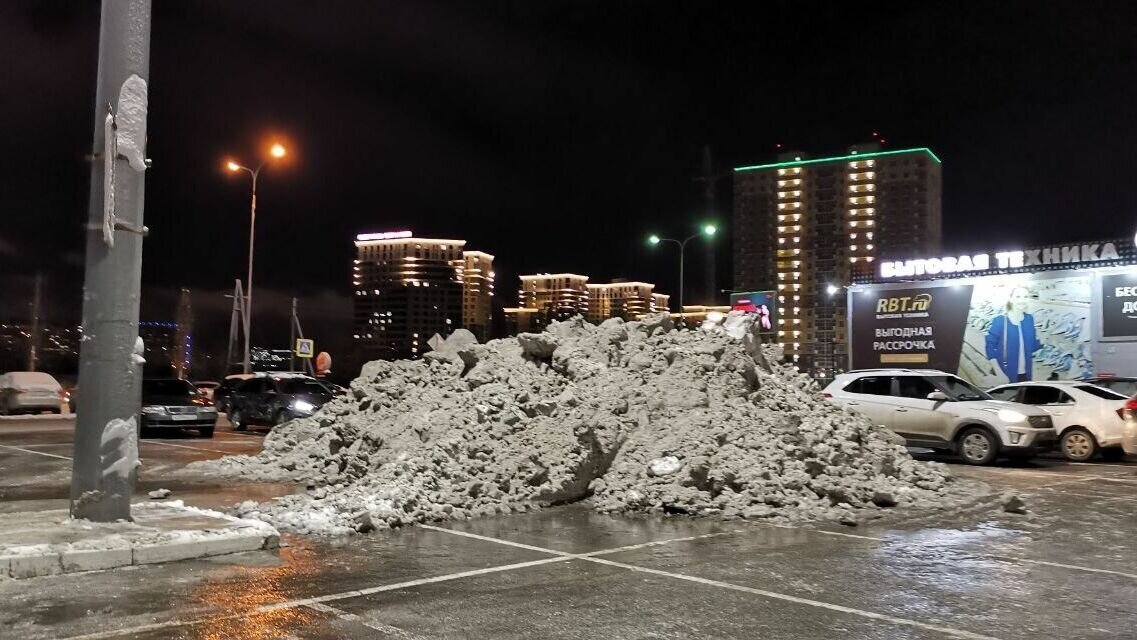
{"type": "Point", "coordinates": [270, 399]}
{"type": "Point", "coordinates": [206, 388]}
{"type": "Point", "coordinates": [1087, 418]}
{"type": "Point", "coordinates": [221, 393]}
{"type": "Point", "coordinates": [1124, 385]}
{"type": "Point", "coordinates": [938, 410]}
{"type": "Point", "coordinates": [176, 404]}
{"type": "Point", "coordinates": [1129, 414]}
{"type": "Point", "coordinates": [30, 392]}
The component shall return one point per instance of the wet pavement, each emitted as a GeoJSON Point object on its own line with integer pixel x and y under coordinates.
{"type": "Point", "coordinates": [1065, 570]}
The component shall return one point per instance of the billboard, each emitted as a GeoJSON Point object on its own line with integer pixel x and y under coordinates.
{"type": "Point", "coordinates": [1119, 305]}
{"type": "Point", "coordinates": [987, 330]}
{"type": "Point", "coordinates": [762, 303]}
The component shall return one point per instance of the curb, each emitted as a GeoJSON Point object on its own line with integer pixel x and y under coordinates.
{"type": "Point", "coordinates": [149, 547]}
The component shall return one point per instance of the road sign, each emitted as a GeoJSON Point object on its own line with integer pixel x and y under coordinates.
{"type": "Point", "coordinates": [305, 347]}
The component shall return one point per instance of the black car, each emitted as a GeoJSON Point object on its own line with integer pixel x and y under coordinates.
{"type": "Point", "coordinates": [273, 399]}
{"type": "Point", "coordinates": [1126, 386]}
{"type": "Point", "coordinates": [176, 404]}
{"type": "Point", "coordinates": [227, 387]}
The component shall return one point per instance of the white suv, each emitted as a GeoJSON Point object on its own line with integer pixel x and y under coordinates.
{"type": "Point", "coordinates": [938, 410]}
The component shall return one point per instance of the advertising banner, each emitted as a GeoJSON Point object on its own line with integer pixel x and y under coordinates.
{"type": "Point", "coordinates": [1119, 305]}
{"type": "Point", "coordinates": [986, 330]}
{"type": "Point", "coordinates": [762, 303]}
{"type": "Point", "coordinates": [921, 327]}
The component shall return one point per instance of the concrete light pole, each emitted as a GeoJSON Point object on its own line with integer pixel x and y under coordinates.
{"type": "Point", "coordinates": [277, 151]}
{"type": "Point", "coordinates": [110, 355]}
{"type": "Point", "coordinates": [708, 231]}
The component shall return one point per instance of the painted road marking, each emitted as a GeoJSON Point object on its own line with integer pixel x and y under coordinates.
{"type": "Point", "coordinates": [38, 453]}
{"type": "Point", "coordinates": [773, 595]}
{"type": "Point", "coordinates": [318, 600]}
{"type": "Point", "coordinates": [186, 446]}
{"type": "Point", "coordinates": [351, 617]}
{"type": "Point", "coordinates": [956, 633]}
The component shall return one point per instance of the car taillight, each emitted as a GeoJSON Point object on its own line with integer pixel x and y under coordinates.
{"type": "Point", "coordinates": [826, 395]}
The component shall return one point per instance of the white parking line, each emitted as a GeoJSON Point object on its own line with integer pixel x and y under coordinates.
{"type": "Point", "coordinates": [186, 446]}
{"type": "Point", "coordinates": [773, 595]}
{"type": "Point", "coordinates": [351, 617]}
{"type": "Point", "coordinates": [38, 453]}
{"type": "Point", "coordinates": [1070, 566]}
{"type": "Point", "coordinates": [309, 602]}
{"type": "Point", "coordinates": [591, 557]}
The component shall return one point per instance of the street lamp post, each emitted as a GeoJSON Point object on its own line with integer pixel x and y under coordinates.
{"type": "Point", "coordinates": [707, 230]}
{"type": "Point", "coordinates": [277, 151]}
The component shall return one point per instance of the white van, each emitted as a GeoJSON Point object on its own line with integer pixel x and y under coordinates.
{"type": "Point", "coordinates": [29, 392]}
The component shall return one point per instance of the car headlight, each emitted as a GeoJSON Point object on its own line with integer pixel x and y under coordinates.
{"type": "Point", "coordinates": [153, 410]}
{"type": "Point", "coordinates": [302, 405]}
{"type": "Point", "coordinates": [1010, 415]}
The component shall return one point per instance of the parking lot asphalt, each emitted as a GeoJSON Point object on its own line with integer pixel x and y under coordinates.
{"type": "Point", "coordinates": [1064, 570]}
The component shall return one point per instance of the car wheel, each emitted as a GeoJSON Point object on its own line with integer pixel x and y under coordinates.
{"type": "Point", "coordinates": [238, 421]}
{"type": "Point", "coordinates": [978, 446]}
{"type": "Point", "coordinates": [1078, 444]}
{"type": "Point", "coordinates": [206, 432]}
{"type": "Point", "coordinates": [1113, 453]}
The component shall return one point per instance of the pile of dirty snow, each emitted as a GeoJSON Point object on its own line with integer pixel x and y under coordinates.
{"type": "Point", "coordinates": [636, 416]}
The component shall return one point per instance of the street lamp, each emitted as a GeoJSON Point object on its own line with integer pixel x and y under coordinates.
{"type": "Point", "coordinates": [708, 231]}
{"type": "Point", "coordinates": [276, 151]}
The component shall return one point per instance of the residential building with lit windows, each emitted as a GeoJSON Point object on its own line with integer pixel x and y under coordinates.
{"type": "Point", "coordinates": [627, 300]}
{"type": "Point", "coordinates": [477, 293]}
{"type": "Point", "coordinates": [543, 298]}
{"type": "Point", "coordinates": [406, 289]}
{"type": "Point", "coordinates": [804, 225]}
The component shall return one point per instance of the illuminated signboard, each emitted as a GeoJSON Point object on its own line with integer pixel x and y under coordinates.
{"type": "Point", "coordinates": [1089, 254]}
{"type": "Point", "coordinates": [386, 235]}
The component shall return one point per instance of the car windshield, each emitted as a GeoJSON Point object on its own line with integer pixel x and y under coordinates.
{"type": "Point", "coordinates": [1100, 392]}
{"type": "Point", "coordinates": [301, 385]}
{"type": "Point", "coordinates": [958, 389]}
{"type": "Point", "coordinates": [167, 388]}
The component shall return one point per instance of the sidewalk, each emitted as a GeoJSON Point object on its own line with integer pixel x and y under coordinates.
{"type": "Point", "coordinates": [44, 543]}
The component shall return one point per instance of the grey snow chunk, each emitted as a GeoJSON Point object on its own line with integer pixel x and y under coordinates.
{"type": "Point", "coordinates": [159, 494]}
{"type": "Point", "coordinates": [1012, 503]}
{"type": "Point", "coordinates": [664, 466]}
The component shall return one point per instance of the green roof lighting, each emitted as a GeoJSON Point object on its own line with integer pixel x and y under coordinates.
{"type": "Point", "coordinates": [851, 156]}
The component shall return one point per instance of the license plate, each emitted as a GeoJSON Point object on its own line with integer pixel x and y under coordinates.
{"type": "Point", "coordinates": [183, 417]}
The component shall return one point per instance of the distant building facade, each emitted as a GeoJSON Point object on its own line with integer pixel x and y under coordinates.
{"type": "Point", "coordinates": [803, 226]}
{"type": "Point", "coordinates": [546, 297]}
{"type": "Point", "coordinates": [406, 289]}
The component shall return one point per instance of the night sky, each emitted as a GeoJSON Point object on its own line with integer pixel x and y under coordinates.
{"type": "Point", "coordinates": [555, 135]}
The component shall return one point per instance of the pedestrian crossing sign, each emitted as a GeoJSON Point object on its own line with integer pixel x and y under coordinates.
{"type": "Point", "coordinates": [305, 347]}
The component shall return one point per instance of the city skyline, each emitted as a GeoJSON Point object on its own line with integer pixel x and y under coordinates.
{"type": "Point", "coordinates": [511, 137]}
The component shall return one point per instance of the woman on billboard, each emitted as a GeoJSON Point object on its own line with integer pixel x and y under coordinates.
{"type": "Point", "coordinates": [1012, 339]}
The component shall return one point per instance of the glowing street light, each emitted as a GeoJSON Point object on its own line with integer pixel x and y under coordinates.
{"type": "Point", "coordinates": [832, 289]}
{"type": "Point", "coordinates": [276, 151]}
{"type": "Point", "coordinates": [708, 231]}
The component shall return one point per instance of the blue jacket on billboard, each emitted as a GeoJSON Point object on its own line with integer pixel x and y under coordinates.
{"type": "Point", "coordinates": [1003, 342]}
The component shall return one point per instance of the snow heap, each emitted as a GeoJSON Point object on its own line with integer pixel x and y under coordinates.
{"type": "Point", "coordinates": [636, 416]}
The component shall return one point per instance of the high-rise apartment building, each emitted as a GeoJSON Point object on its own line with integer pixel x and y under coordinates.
{"type": "Point", "coordinates": [407, 289]}
{"type": "Point", "coordinates": [803, 225]}
{"type": "Point", "coordinates": [477, 293]}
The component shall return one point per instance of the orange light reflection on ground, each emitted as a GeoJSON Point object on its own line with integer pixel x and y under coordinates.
{"type": "Point", "coordinates": [244, 589]}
